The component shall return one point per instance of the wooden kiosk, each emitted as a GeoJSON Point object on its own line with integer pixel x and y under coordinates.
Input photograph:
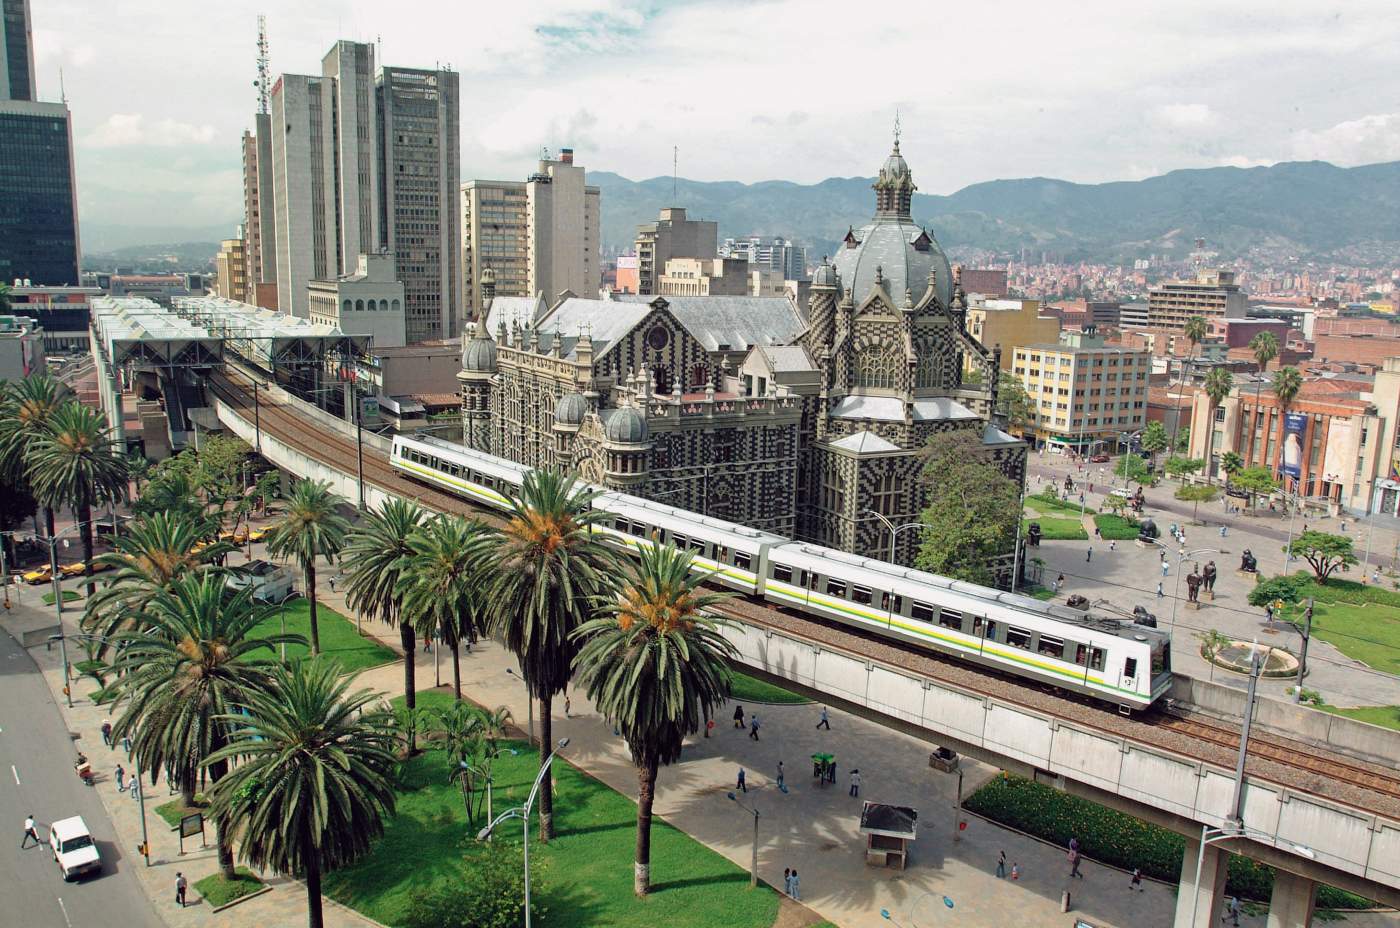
{"type": "Point", "coordinates": [889, 831]}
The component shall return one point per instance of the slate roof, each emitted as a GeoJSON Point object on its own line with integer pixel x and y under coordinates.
{"type": "Point", "coordinates": [888, 243]}
{"type": "Point", "coordinates": [864, 442]}
{"type": "Point", "coordinates": [740, 322]}
{"type": "Point", "coordinates": [891, 409]}
{"type": "Point", "coordinates": [787, 358]}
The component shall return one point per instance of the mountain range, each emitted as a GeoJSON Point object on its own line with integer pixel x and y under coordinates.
{"type": "Point", "coordinates": [1287, 211]}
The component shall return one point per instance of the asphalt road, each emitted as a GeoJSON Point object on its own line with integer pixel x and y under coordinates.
{"type": "Point", "coordinates": [36, 775]}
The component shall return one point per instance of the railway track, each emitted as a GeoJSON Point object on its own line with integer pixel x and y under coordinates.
{"type": "Point", "coordinates": [1296, 765]}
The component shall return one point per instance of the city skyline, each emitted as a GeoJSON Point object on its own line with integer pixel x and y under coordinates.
{"type": "Point", "coordinates": [1235, 87]}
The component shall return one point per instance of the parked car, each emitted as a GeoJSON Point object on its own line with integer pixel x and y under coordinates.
{"type": "Point", "coordinates": [73, 848]}
{"type": "Point", "coordinates": [37, 575]}
{"type": "Point", "coordinates": [270, 583]}
{"type": "Point", "coordinates": [1099, 458]}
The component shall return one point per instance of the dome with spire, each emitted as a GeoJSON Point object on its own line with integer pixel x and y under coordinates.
{"type": "Point", "coordinates": [479, 352]}
{"type": "Point", "coordinates": [824, 275]}
{"type": "Point", "coordinates": [892, 250]}
{"type": "Point", "coordinates": [570, 409]}
{"type": "Point", "coordinates": [626, 425]}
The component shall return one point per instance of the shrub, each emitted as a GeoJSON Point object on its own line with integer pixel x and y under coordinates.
{"type": "Point", "coordinates": [494, 897]}
{"type": "Point", "coordinates": [1120, 840]}
{"type": "Point", "coordinates": [1116, 528]}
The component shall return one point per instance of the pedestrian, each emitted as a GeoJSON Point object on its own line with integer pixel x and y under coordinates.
{"type": "Point", "coordinates": [1074, 859]}
{"type": "Point", "coordinates": [126, 744]}
{"type": "Point", "coordinates": [1098, 532]}
{"type": "Point", "coordinates": [1089, 554]}
{"type": "Point", "coordinates": [753, 726]}
{"type": "Point", "coordinates": [135, 788]}
{"type": "Point", "coordinates": [1232, 912]}
{"type": "Point", "coordinates": [331, 581]}
{"type": "Point", "coordinates": [738, 716]}
{"type": "Point", "coordinates": [1136, 881]}
{"type": "Point", "coordinates": [1222, 531]}
{"type": "Point", "coordinates": [1162, 555]}
{"type": "Point", "coordinates": [739, 784]}
{"type": "Point", "coordinates": [1059, 583]}
{"type": "Point", "coordinates": [709, 727]}
{"type": "Point", "coordinates": [1113, 545]}
{"type": "Point", "coordinates": [780, 777]}
{"type": "Point", "coordinates": [1073, 843]}
{"type": "Point", "coordinates": [1160, 594]}
{"type": "Point", "coordinates": [30, 831]}
{"type": "Point", "coordinates": [855, 782]}
{"type": "Point", "coordinates": [181, 884]}
{"type": "Point", "coordinates": [1015, 870]}
{"type": "Point", "coordinates": [121, 778]}
{"type": "Point", "coordinates": [1091, 487]}
{"type": "Point", "coordinates": [107, 733]}
{"type": "Point", "coordinates": [1001, 865]}
{"type": "Point", "coordinates": [1166, 568]}
{"type": "Point", "coordinates": [825, 722]}
{"type": "Point", "coordinates": [796, 887]}
{"type": "Point", "coordinates": [787, 880]}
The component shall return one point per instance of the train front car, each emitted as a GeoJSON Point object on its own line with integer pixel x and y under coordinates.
{"type": "Point", "coordinates": [480, 478]}
{"type": "Point", "coordinates": [1107, 658]}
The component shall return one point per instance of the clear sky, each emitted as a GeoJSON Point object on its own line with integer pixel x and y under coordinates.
{"type": "Point", "coordinates": [1087, 90]}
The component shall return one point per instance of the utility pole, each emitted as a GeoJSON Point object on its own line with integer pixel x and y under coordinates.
{"type": "Point", "coordinates": [1256, 667]}
{"type": "Point", "coordinates": [1306, 631]}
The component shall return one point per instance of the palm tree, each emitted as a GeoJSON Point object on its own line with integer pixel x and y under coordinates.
{"type": "Point", "coordinates": [314, 779]}
{"type": "Point", "coordinates": [550, 569]}
{"type": "Point", "coordinates": [440, 582]}
{"type": "Point", "coordinates": [74, 463]}
{"type": "Point", "coordinates": [1195, 334]}
{"type": "Point", "coordinates": [310, 528]}
{"type": "Point", "coordinates": [28, 405]}
{"type": "Point", "coordinates": [1219, 382]}
{"type": "Point", "coordinates": [1286, 384]}
{"type": "Point", "coordinates": [1265, 348]}
{"type": "Point", "coordinates": [149, 556]}
{"type": "Point", "coordinates": [655, 666]}
{"type": "Point", "coordinates": [374, 552]}
{"type": "Point", "coordinates": [193, 663]}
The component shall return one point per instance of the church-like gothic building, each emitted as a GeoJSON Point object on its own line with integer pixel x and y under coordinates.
{"type": "Point", "coordinates": [806, 421]}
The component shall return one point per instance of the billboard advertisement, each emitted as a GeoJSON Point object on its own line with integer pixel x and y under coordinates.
{"type": "Point", "coordinates": [1294, 427]}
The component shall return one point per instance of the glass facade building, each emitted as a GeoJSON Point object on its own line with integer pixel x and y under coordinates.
{"type": "Point", "coordinates": [38, 212]}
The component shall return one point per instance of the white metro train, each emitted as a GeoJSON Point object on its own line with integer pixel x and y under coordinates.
{"type": "Point", "coordinates": [1107, 658]}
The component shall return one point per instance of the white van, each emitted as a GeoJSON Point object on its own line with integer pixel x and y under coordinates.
{"type": "Point", "coordinates": [271, 583]}
{"type": "Point", "coordinates": [73, 848]}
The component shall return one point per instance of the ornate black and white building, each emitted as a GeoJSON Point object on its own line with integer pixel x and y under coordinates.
{"type": "Point", "coordinates": [807, 421]}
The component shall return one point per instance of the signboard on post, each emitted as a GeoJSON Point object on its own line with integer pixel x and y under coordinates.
{"type": "Point", "coordinates": [1295, 426]}
{"type": "Point", "coordinates": [369, 411]}
{"type": "Point", "coordinates": [191, 825]}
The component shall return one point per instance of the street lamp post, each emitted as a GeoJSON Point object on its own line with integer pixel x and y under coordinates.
{"type": "Point", "coordinates": [893, 529]}
{"type": "Point", "coordinates": [523, 813]}
{"type": "Point", "coordinates": [55, 576]}
{"type": "Point", "coordinates": [1180, 560]}
{"type": "Point", "coordinates": [257, 421]}
{"type": "Point", "coordinates": [753, 867]}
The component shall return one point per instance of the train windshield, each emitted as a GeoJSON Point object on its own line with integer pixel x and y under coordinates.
{"type": "Point", "coordinates": [1161, 658]}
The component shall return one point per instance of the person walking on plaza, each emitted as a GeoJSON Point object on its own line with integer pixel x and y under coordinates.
{"type": "Point", "coordinates": [825, 722]}
{"type": "Point", "coordinates": [855, 782]}
{"type": "Point", "coordinates": [107, 733]}
{"type": "Point", "coordinates": [30, 831]}
{"type": "Point", "coordinates": [1089, 554]}
{"type": "Point", "coordinates": [1015, 870]}
{"type": "Point", "coordinates": [739, 784]}
{"type": "Point", "coordinates": [738, 716]}
{"type": "Point", "coordinates": [1074, 859]}
{"type": "Point", "coordinates": [135, 788]}
{"type": "Point", "coordinates": [1136, 881]}
{"type": "Point", "coordinates": [787, 880]}
{"type": "Point", "coordinates": [1160, 594]}
{"type": "Point", "coordinates": [181, 885]}
{"type": "Point", "coordinates": [1232, 911]}
{"type": "Point", "coordinates": [753, 726]}
{"type": "Point", "coordinates": [1166, 568]}
{"type": "Point", "coordinates": [709, 726]}
{"type": "Point", "coordinates": [1001, 866]}
{"type": "Point", "coordinates": [1222, 531]}
{"type": "Point", "coordinates": [781, 786]}
{"type": "Point", "coordinates": [121, 778]}
{"type": "Point", "coordinates": [796, 887]}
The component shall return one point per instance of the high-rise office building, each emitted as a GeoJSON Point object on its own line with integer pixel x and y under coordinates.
{"type": "Point", "coordinates": [539, 236]}
{"type": "Point", "coordinates": [562, 213]}
{"type": "Point", "coordinates": [350, 150]}
{"type": "Point", "coordinates": [38, 203]}
{"type": "Point", "coordinates": [417, 111]}
{"type": "Point", "coordinates": [672, 235]}
{"type": "Point", "coordinates": [495, 234]}
{"type": "Point", "coordinates": [259, 215]}
{"type": "Point", "coordinates": [16, 51]}
{"type": "Point", "coordinates": [1212, 295]}
{"type": "Point", "coordinates": [299, 191]}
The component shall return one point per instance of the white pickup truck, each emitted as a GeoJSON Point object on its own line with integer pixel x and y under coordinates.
{"type": "Point", "coordinates": [73, 848]}
{"type": "Point", "coordinates": [271, 583]}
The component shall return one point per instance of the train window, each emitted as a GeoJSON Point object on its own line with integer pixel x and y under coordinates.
{"type": "Point", "coordinates": [781, 573]}
{"type": "Point", "coordinates": [977, 625]}
{"type": "Point", "coordinates": [836, 588]}
{"type": "Point", "coordinates": [1096, 658]}
{"type": "Point", "coordinates": [742, 561]}
{"type": "Point", "coordinates": [1130, 667]}
{"type": "Point", "coordinates": [620, 524]}
{"type": "Point", "coordinates": [1018, 637]}
{"type": "Point", "coordinates": [898, 604]}
{"type": "Point", "coordinates": [722, 554]}
{"type": "Point", "coordinates": [697, 546]}
{"type": "Point", "coordinates": [1081, 654]}
{"type": "Point", "coordinates": [950, 618]}
{"type": "Point", "coordinates": [1051, 647]}
{"type": "Point", "coordinates": [991, 630]}
{"type": "Point", "coordinates": [862, 595]}
{"type": "Point", "coordinates": [921, 611]}
{"type": "Point", "coordinates": [1161, 661]}
{"type": "Point", "coordinates": [639, 529]}
{"type": "Point", "coordinates": [680, 541]}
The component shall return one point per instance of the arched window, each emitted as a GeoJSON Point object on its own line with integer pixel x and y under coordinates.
{"type": "Point", "coordinates": [359, 306]}
{"type": "Point", "coordinates": [345, 306]}
{"type": "Point", "coordinates": [877, 366]}
{"type": "Point", "coordinates": [396, 306]}
{"type": "Point", "coordinates": [926, 367]}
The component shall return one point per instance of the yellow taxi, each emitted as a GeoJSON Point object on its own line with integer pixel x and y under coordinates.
{"type": "Point", "coordinates": [37, 575]}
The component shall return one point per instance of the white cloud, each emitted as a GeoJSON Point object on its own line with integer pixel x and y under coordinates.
{"type": "Point", "coordinates": [124, 129]}
{"type": "Point", "coordinates": [1185, 115]}
{"type": "Point", "coordinates": [1357, 141]}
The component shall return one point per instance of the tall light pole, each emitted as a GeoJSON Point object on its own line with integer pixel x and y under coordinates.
{"type": "Point", "coordinates": [753, 868]}
{"type": "Point", "coordinates": [893, 529]}
{"type": "Point", "coordinates": [523, 813]}
{"type": "Point", "coordinates": [56, 577]}
{"type": "Point", "coordinates": [1180, 560]}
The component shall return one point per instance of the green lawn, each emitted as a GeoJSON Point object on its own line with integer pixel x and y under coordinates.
{"type": "Point", "coordinates": [69, 596]}
{"type": "Point", "coordinates": [1042, 594]}
{"type": "Point", "coordinates": [582, 878]}
{"type": "Point", "coordinates": [1046, 504]}
{"type": "Point", "coordinates": [1056, 529]}
{"type": "Point", "coordinates": [217, 891]}
{"type": "Point", "coordinates": [339, 641]}
{"type": "Point", "coordinates": [752, 689]}
{"type": "Point", "coordinates": [1369, 633]}
{"type": "Point", "coordinates": [1115, 527]}
{"type": "Point", "coordinates": [1385, 716]}
{"type": "Point", "coordinates": [176, 809]}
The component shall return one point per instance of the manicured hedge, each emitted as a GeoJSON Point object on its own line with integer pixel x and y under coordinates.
{"type": "Point", "coordinates": [1120, 840]}
{"type": "Point", "coordinates": [1116, 527]}
{"type": "Point", "coordinates": [1054, 528]}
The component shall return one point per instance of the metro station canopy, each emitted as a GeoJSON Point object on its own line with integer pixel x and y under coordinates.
{"type": "Point", "coordinates": [265, 337]}
{"type": "Point", "coordinates": [138, 330]}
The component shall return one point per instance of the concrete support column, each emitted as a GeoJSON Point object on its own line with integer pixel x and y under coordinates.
{"type": "Point", "coordinates": [1291, 905]}
{"type": "Point", "coordinates": [1205, 899]}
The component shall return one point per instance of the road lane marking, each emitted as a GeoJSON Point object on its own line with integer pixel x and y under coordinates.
{"type": "Point", "coordinates": [16, 773]}
{"type": "Point", "coordinates": [63, 907]}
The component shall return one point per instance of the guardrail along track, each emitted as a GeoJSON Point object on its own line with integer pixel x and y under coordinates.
{"type": "Point", "coordinates": [1306, 768]}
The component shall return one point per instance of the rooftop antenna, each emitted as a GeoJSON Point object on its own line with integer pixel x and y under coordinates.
{"type": "Point", "coordinates": [62, 94]}
{"type": "Point", "coordinates": [675, 170]}
{"type": "Point", "coordinates": [262, 82]}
